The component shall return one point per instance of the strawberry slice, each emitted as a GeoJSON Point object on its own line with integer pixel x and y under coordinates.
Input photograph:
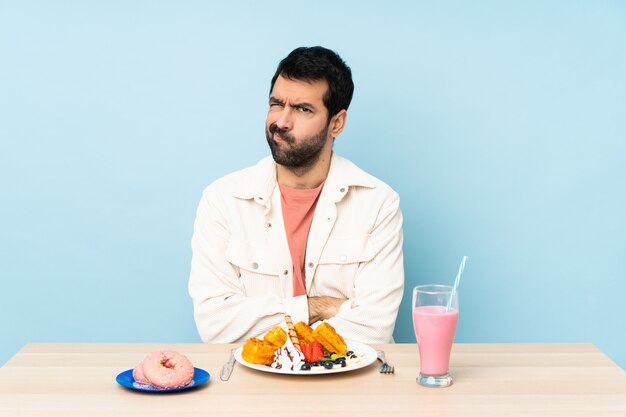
{"type": "Point", "coordinates": [316, 350]}
{"type": "Point", "coordinates": [306, 350]}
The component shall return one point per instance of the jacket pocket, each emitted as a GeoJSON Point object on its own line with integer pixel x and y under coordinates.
{"type": "Point", "coordinates": [347, 250]}
{"type": "Point", "coordinates": [257, 268]}
{"type": "Point", "coordinates": [339, 265]}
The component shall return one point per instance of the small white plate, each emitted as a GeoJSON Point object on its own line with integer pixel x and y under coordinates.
{"type": "Point", "coordinates": [368, 356]}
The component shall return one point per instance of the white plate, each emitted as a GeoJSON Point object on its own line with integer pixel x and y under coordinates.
{"type": "Point", "coordinates": [369, 356]}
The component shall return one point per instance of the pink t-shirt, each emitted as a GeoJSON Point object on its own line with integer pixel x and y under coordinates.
{"type": "Point", "coordinates": [298, 208]}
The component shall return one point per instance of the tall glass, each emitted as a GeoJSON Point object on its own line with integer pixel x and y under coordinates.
{"type": "Point", "coordinates": [434, 331]}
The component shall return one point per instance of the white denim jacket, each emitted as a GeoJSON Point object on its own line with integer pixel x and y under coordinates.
{"type": "Point", "coordinates": [241, 270]}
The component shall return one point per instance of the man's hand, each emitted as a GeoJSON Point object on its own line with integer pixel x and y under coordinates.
{"type": "Point", "coordinates": [323, 307]}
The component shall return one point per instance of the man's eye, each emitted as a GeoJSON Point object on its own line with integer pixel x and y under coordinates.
{"type": "Point", "coordinates": [304, 109]}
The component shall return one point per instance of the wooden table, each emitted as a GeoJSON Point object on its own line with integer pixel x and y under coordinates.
{"type": "Point", "coordinates": [489, 380]}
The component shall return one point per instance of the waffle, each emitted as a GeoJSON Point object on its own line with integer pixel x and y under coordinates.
{"type": "Point", "coordinates": [330, 339]}
{"type": "Point", "coordinates": [276, 336]}
{"type": "Point", "coordinates": [305, 333]}
{"type": "Point", "coordinates": [258, 351]}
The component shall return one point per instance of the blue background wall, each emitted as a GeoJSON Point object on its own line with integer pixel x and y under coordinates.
{"type": "Point", "coordinates": [502, 126]}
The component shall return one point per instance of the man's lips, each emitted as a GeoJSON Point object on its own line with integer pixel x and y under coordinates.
{"type": "Point", "coordinates": [279, 139]}
{"type": "Point", "coordinates": [279, 135]}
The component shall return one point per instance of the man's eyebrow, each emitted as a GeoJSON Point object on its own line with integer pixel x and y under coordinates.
{"type": "Point", "coordinates": [304, 104]}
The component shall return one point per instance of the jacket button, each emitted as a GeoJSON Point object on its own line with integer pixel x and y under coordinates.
{"type": "Point", "coordinates": [342, 190]}
{"type": "Point", "coordinates": [310, 264]}
{"type": "Point", "coordinates": [269, 225]}
{"type": "Point", "coordinates": [255, 265]}
{"type": "Point", "coordinates": [343, 258]}
{"type": "Point", "coordinates": [285, 272]}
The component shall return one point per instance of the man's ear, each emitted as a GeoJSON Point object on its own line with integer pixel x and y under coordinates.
{"type": "Point", "coordinates": [338, 122]}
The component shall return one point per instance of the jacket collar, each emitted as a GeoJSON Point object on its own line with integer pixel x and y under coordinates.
{"type": "Point", "coordinates": [258, 182]}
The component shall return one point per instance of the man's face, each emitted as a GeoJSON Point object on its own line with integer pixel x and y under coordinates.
{"type": "Point", "coordinates": [297, 125]}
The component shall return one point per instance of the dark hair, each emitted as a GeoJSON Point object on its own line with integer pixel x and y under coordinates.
{"type": "Point", "coordinates": [317, 63]}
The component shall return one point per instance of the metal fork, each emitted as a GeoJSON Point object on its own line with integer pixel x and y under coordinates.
{"type": "Point", "coordinates": [386, 367]}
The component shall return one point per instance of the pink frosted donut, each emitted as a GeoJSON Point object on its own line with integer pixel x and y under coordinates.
{"type": "Point", "coordinates": [138, 375]}
{"type": "Point", "coordinates": [167, 369]}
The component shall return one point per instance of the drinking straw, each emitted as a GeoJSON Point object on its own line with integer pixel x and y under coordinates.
{"type": "Point", "coordinates": [456, 283]}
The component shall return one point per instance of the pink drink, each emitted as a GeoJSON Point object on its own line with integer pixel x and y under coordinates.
{"type": "Point", "coordinates": [434, 330]}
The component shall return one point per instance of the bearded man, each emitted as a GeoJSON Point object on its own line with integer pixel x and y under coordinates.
{"type": "Point", "coordinates": [306, 232]}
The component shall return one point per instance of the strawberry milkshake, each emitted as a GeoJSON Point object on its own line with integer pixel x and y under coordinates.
{"type": "Point", "coordinates": [434, 321]}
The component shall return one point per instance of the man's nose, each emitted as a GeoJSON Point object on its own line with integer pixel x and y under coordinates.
{"type": "Point", "coordinates": [284, 120]}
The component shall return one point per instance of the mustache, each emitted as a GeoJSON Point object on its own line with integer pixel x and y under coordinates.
{"type": "Point", "coordinates": [282, 133]}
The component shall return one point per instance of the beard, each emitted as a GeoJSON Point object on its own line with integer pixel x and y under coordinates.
{"type": "Point", "coordinates": [293, 155]}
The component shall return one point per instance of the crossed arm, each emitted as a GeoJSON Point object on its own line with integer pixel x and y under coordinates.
{"type": "Point", "coordinates": [323, 307]}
